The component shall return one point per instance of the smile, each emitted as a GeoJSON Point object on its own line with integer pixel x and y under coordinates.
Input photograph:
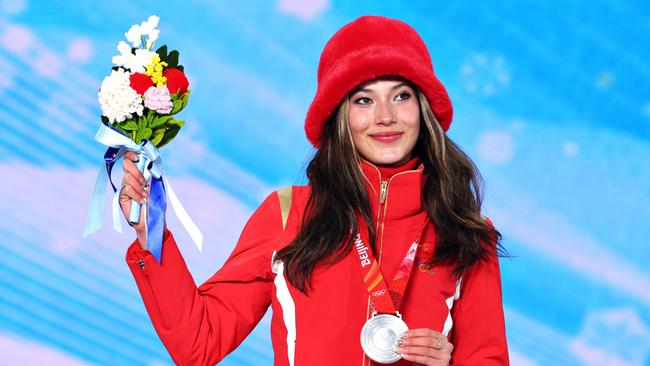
{"type": "Point", "coordinates": [386, 137]}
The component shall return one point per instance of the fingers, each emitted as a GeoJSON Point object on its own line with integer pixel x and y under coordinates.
{"type": "Point", "coordinates": [427, 338]}
{"type": "Point", "coordinates": [423, 351]}
{"type": "Point", "coordinates": [427, 360]}
{"type": "Point", "coordinates": [129, 167]}
{"type": "Point", "coordinates": [422, 332]}
{"type": "Point", "coordinates": [131, 156]}
{"type": "Point", "coordinates": [425, 346]}
{"type": "Point", "coordinates": [133, 188]}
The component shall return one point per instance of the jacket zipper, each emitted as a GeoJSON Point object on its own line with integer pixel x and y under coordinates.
{"type": "Point", "coordinates": [381, 217]}
{"type": "Point", "coordinates": [382, 195]}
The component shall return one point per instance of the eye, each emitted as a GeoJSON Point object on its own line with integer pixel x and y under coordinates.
{"type": "Point", "coordinates": [403, 96]}
{"type": "Point", "coordinates": [363, 101]}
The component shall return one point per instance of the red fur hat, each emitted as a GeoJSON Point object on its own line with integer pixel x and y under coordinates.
{"type": "Point", "coordinates": [369, 47]}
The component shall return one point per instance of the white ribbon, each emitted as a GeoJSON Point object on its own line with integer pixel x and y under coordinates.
{"type": "Point", "coordinates": [111, 138]}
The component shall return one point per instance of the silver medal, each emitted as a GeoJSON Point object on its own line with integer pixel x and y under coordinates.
{"type": "Point", "coordinates": [379, 337]}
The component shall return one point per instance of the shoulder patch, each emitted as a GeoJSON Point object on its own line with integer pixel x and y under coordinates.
{"type": "Point", "coordinates": [284, 195]}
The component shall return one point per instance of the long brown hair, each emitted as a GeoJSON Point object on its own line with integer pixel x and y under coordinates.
{"type": "Point", "coordinates": [452, 197]}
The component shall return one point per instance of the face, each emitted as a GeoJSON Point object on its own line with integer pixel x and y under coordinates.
{"type": "Point", "coordinates": [384, 120]}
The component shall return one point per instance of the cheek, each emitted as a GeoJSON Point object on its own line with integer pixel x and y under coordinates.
{"type": "Point", "coordinates": [358, 121]}
{"type": "Point", "coordinates": [410, 114]}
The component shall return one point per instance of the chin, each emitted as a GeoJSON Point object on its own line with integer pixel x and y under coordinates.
{"type": "Point", "coordinates": [388, 160]}
{"type": "Point", "coordinates": [384, 155]}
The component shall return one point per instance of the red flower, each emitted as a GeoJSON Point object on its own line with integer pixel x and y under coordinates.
{"type": "Point", "coordinates": [176, 80]}
{"type": "Point", "coordinates": [140, 82]}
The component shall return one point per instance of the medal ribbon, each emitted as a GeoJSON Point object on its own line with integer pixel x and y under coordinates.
{"type": "Point", "coordinates": [385, 300]}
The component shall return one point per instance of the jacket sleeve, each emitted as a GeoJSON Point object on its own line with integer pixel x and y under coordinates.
{"type": "Point", "coordinates": [200, 326]}
{"type": "Point", "coordinates": [478, 333]}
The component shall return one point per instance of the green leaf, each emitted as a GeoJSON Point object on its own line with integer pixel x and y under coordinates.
{"type": "Point", "coordinates": [158, 136]}
{"type": "Point", "coordinates": [105, 120]}
{"type": "Point", "coordinates": [185, 97]}
{"type": "Point", "coordinates": [162, 52]}
{"type": "Point", "coordinates": [150, 116]}
{"type": "Point", "coordinates": [129, 125]}
{"type": "Point", "coordinates": [172, 59]}
{"type": "Point", "coordinates": [121, 129]}
{"type": "Point", "coordinates": [178, 105]}
{"type": "Point", "coordinates": [159, 121]}
{"type": "Point", "coordinates": [171, 132]}
{"type": "Point", "coordinates": [145, 133]}
{"type": "Point", "coordinates": [181, 67]}
{"type": "Point", "coordinates": [176, 122]}
{"type": "Point", "coordinates": [142, 123]}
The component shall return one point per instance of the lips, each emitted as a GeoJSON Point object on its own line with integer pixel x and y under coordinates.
{"type": "Point", "coordinates": [386, 137]}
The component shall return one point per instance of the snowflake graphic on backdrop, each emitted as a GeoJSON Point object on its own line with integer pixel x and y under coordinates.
{"type": "Point", "coordinates": [484, 74]}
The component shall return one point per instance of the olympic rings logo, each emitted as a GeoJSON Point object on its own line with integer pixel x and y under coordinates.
{"type": "Point", "coordinates": [379, 293]}
{"type": "Point", "coordinates": [426, 268]}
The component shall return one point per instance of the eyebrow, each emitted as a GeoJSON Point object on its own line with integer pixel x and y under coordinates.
{"type": "Point", "coordinates": [370, 90]}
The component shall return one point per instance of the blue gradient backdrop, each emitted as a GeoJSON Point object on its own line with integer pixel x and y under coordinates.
{"type": "Point", "coordinates": [552, 101]}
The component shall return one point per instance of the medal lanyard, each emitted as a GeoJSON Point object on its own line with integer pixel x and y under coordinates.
{"type": "Point", "coordinates": [385, 300]}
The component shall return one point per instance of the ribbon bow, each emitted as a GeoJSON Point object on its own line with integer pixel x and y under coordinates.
{"type": "Point", "coordinates": [118, 144]}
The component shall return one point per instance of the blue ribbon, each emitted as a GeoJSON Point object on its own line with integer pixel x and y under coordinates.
{"type": "Point", "coordinates": [118, 144]}
{"type": "Point", "coordinates": [156, 217]}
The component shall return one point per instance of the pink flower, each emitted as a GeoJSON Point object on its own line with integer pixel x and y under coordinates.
{"type": "Point", "coordinates": [158, 99]}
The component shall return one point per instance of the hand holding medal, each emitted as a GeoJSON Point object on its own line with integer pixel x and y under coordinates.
{"type": "Point", "coordinates": [385, 337]}
{"type": "Point", "coordinates": [425, 347]}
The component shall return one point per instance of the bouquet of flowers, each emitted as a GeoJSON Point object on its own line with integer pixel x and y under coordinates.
{"type": "Point", "coordinates": [145, 88]}
{"type": "Point", "coordinates": [139, 100]}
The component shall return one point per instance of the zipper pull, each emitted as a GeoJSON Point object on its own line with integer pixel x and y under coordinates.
{"type": "Point", "coordinates": [384, 189]}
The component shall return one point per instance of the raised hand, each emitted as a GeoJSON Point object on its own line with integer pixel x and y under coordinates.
{"type": "Point", "coordinates": [137, 188]}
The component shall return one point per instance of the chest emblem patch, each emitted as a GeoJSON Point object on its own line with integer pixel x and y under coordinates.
{"type": "Point", "coordinates": [423, 257]}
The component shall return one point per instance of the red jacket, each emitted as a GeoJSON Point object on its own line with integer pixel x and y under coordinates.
{"type": "Point", "coordinates": [200, 326]}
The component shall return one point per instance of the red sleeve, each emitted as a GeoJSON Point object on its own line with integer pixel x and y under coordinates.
{"type": "Point", "coordinates": [200, 326]}
{"type": "Point", "coordinates": [478, 333]}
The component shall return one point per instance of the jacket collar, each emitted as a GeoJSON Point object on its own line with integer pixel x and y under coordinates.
{"type": "Point", "coordinates": [403, 196]}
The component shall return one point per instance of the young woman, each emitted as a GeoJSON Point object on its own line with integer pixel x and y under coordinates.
{"type": "Point", "coordinates": [387, 236]}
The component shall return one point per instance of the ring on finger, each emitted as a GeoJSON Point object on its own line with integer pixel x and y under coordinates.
{"type": "Point", "coordinates": [439, 346]}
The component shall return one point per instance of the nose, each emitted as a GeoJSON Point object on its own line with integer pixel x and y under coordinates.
{"type": "Point", "coordinates": [385, 113]}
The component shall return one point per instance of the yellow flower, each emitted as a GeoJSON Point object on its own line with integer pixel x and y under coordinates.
{"type": "Point", "coordinates": [155, 70]}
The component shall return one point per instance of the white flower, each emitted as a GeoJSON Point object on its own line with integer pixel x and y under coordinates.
{"type": "Point", "coordinates": [134, 35]}
{"type": "Point", "coordinates": [135, 63]}
{"type": "Point", "coordinates": [118, 100]}
{"type": "Point", "coordinates": [141, 59]}
{"type": "Point", "coordinates": [148, 26]}
{"type": "Point", "coordinates": [125, 54]}
{"type": "Point", "coordinates": [153, 37]}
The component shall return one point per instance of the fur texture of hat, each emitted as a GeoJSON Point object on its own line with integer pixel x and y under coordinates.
{"type": "Point", "coordinates": [370, 47]}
